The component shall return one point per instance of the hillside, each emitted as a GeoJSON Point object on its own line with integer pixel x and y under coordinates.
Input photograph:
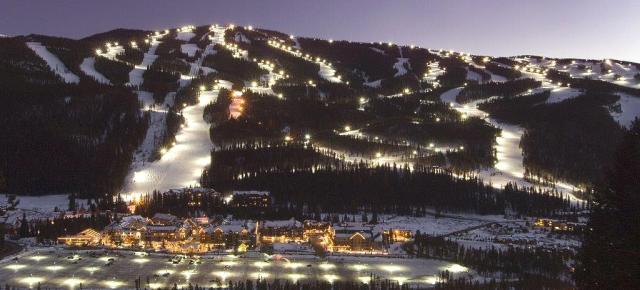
{"type": "Point", "coordinates": [131, 111]}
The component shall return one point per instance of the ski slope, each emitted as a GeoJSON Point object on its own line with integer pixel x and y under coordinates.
{"type": "Point", "coordinates": [135, 75]}
{"type": "Point", "coordinates": [630, 109]}
{"type": "Point", "coordinates": [87, 67]}
{"type": "Point", "coordinates": [509, 166]}
{"type": "Point", "coordinates": [401, 66]}
{"type": "Point", "coordinates": [182, 164]}
{"type": "Point", "coordinates": [54, 63]}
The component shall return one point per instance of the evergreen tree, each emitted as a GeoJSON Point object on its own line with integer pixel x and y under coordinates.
{"type": "Point", "coordinates": [24, 226]}
{"type": "Point", "coordinates": [72, 202]}
{"type": "Point", "coordinates": [374, 217]}
{"type": "Point", "coordinates": [611, 249]}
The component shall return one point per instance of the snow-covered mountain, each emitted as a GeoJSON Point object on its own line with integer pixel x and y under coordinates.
{"type": "Point", "coordinates": [132, 111]}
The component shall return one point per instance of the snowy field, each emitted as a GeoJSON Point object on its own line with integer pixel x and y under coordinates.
{"type": "Point", "coordinates": [38, 207]}
{"type": "Point", "coordinates": [516, 234]}
{"type": "Point", "coordinates": [67, 269]}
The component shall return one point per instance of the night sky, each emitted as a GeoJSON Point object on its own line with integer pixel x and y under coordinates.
{"type": "Point", "coordinates": [558, 28]}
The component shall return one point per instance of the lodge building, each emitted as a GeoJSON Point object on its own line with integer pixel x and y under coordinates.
{"type": "Point", "coordinates": [165, 232]}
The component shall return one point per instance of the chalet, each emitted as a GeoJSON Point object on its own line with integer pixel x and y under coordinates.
{"type": "Point", "coordinates": [352, 238]}
{"type": "Point", "coordinates": [81, 239]}
{"type": "Point", "coordinates": [321, 233]}
{"type": "Point", "coordinates": [128, 231]}
{"type": "Point", "coordinates": [251, 199]}
{"type": "Point", "coordinates": [230, 234]}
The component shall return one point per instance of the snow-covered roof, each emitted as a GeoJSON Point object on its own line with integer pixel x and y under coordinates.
{"type": "Point", "coordinates": [348, 235]}
{"type": "Point", "coordinates": [251, 192]}
{"type": "Point", "coordinates": [353, 227]}
{"type": "Point", "coordinates": [292, 223]}
{"type": "Point", "coordinates": [130, 222]}
{"type": "Point", "coordinates": [153, 228]}
{"type": "Point", "coordinates": [231, 225]}
{"type": "Point", "coordinates": [165, 217]}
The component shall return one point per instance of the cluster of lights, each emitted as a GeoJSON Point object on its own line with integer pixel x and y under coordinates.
{"type": "Point", "coordinates": [280, 44]}
{"type": "Point", "coordinates": [187, 28]}
{"type": "Point", "coordinates": [237, 104]}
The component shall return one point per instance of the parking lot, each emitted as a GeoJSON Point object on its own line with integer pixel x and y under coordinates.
{"type": "Point", "coordinates": [106, 269]}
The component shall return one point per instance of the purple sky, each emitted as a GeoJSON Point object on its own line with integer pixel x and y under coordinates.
{"type": "Point", "coordinates": [560, 28]}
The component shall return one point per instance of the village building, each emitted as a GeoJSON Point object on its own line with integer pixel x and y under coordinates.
{"type": "Point", "coordinates": [319, 233]}
{"type": "Point", "coordinates": [280, 231]}
{"type": "Point", "coordinates": [251, 199]}
{"type": "Point", "coordinates": [168, 233]}
{"type": "Point", "coordinates": [84, 238]}
{"type": "Point", "coordinates": [353, 238]}
{"type": "Point", "coordinates": [558, 225]}
{"type": "Point", "coordinates": [231, 235]}
{"type": "Point", "coordinates": [127, 232]}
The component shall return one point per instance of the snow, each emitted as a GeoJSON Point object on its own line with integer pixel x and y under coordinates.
{"type": "Point", "coordinates": [433, 72]}
{"type": "Point", "coordinates": [216, 269]}
{"type": "Point", "coordinates": [401, 66]}
{"type": "Point", "coordinates": [239, 37]}
{"type": "Point", "coordinates": [474, 76]}
{"type": "Point", "coordinates": [207, 70]}
{"type": "Point", "coordinates": [87, 67]}
{"type": "Point", "coordinates": [427, 225]}
{"type": "Point", "coordinates": [135, 75]}
{"type": "Point", "coordinates": [328, 73]}
{"type": "Point", "coordinates": [46, 203]}
{"type": "Point", "coordinates": [38, 207]}
{"type": "Point", "coordinates": [560, 94]}
{"type": "Point", "coordinates": [182, 164]}
{"type": "Point", "coordinates": [54, 63]}
{"type": "Point", "coordinates": [494, 77]}
{"type": "Point", "coordinates": [380, 51]}
{"type": "Point", "coordinates": [185, 35]}
{"type": "Point", "coordinates": [630, 107]}
{"type": "Point", "coordinates": [152, 138]}
{"type": "Point", "coordinates": [146, 98]}
{"type": "Point", "coordinates": [292, 222]}
{"type": "Point", "coordinates": [509, 166]}
{"type": "Point", "coordinates": [112, 52]}
{"type": "Point", "coordinates": [515, 233]}
{"type": "Point", "coordinates": [189, 49]}
{"type": "Point", "coordinates": [373, 84]}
